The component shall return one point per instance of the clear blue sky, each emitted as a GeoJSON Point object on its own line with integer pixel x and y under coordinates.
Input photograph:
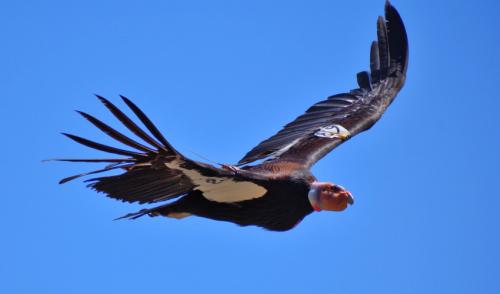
{"type": "Point", "coordinates": [217, 77]}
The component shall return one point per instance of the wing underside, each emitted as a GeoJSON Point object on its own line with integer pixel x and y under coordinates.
{"type": "Point", "coordinates": [330, 122]}
{"type": "Point", "coordinates": [155, 171]}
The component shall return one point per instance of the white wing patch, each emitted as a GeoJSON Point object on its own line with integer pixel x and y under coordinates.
{"type": "Point", "coordinates": [333, 131]}
{"type": "Point", "coordinates": [221, 189]}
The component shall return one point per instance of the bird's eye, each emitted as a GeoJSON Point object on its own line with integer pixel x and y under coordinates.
{"type": "Point", "coordinates": [336, 188]}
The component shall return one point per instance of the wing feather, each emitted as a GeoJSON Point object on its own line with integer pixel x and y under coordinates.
{"type": "Point", "coordinates": [355, 111]}
{"type": "Point", "coordinates": [157, 172]}
{"type": "Point", "coordinates": [115, 134]}
{"type": "Point", "coordinates": [374, 62]}
{"type": "Point", "coordinates": [127, 122]}
{"type": "Point", "coordinates": [147, 122]}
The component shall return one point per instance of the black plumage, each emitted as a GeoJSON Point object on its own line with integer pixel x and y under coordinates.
{"type": "Point", "coordinates": [275, 194]}
{"type": "Point", "coordinates": [282, 208]}
{"type": "Point", "coordinates": [356, 110]}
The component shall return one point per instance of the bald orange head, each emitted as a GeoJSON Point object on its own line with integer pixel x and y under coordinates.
{"type": "Point", "coordinates": [328, 196]}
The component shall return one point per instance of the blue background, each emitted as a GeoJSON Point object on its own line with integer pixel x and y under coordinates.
{"type": "Point", "coordinates": [218, 77]}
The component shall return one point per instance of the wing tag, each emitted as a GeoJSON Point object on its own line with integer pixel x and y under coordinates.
{"type": "Point", "coordinates": [333, 131]}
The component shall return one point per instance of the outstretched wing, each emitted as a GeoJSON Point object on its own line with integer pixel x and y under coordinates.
{"type": "Point", "coordinates": [155, 171]}
{"type": "Point", "coordinates": [330, 122]}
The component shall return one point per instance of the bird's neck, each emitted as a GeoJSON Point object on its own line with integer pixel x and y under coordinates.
{"type": "Point", "coordinates": [314, 199]}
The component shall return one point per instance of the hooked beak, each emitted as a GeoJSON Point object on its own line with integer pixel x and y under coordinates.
{"type": "Point", "coordinates": [350, 199]}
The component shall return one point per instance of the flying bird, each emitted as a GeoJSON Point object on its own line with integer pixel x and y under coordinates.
{"type": "Point", "coordinates": [272, 185]}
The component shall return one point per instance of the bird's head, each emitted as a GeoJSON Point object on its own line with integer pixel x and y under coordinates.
{"type": "Point", "coordinates": [328, 196]}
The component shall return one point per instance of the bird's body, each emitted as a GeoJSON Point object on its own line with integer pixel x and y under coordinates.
{"type": "Point", "coordinates": [275, 194]}
{"type": "Point", "coordinates": [283, 206]}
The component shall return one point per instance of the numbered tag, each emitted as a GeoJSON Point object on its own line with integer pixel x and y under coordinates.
{"type": "Point", "coordinates": [333, 131]}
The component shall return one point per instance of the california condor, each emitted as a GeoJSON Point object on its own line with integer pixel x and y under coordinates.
{"type": "Point", "coordinates": [275, 194]}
